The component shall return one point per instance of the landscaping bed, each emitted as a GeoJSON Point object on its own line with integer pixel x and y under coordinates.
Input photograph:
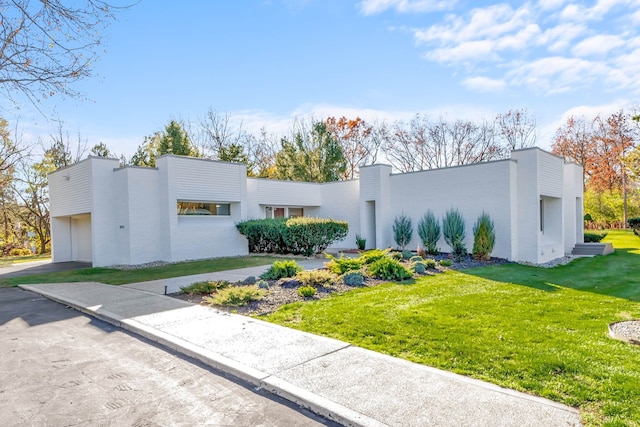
{"type": "Point", "coordinates": [285, 291]}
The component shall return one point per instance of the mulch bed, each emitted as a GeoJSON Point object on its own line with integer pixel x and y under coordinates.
{"type": "Point", "coordinates": [283, 292]}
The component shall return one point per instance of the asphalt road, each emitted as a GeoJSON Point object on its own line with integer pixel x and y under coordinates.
{"type": "Point", "coordinates": [61, 368]}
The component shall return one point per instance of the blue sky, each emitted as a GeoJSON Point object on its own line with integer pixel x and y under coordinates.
{"type": "Point", "coordinates": [267, 62]}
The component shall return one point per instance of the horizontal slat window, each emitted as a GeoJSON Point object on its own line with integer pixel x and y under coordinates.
{"type": "Point", "coordinates": [188, 208]}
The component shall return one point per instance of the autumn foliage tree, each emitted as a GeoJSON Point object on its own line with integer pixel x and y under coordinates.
{"type": "Point", "coordinates": [602, 147]}
{"type": "Point", "coordinates": [359, 148]}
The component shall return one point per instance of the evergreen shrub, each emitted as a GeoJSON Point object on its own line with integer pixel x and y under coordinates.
{"type": "Point", "coordinates": [429, 232]}
{"type": "Point", "coordinates": [402, 230]}
{"type": "Point", "coordinates": [484, 237]}
{"type": "Point", "coordinates": [389, 269]}
{"type": "Point", "coordinates": [281, 269]}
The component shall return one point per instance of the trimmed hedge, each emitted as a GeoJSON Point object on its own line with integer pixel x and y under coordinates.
{"type": "Point", "coordinates": [594, 237]}
{"type": "Point", "coordinates": [264, 235]}
{"type": "Point", "coordinates": [300, 235]}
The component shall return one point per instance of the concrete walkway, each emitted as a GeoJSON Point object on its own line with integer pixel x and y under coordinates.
{"type": "Point", "coordinates": [173, 285]}
{"type": "Point", "coordinates": [351, 385]}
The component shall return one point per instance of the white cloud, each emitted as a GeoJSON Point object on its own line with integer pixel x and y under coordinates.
{"type": "Point", "coordinates": [560, 37]}
{"type": "Point", "coordinates": [597, 45]}
{"type": "Point", "coordinates": [625, 74]}
{"type": "Point", "coordinates": [555, 74]}
{"type": "Point", "coordinates": [488, 23]}
{"type": "Point", "coordinates": [469, 51]}
{"type": "Point", "coordinates": [543, 45]}
{"type": "Point", "coordinates": [373, 7]}
{"type": "Point", "coordinates": [550, 4]}
{"type": "Point", "coordinates": [484, 84]}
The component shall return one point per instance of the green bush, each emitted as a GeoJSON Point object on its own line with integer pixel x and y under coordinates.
{"type": "Point", "coordinates": [199, 288]}
{"type": "Point", "coordinates": [634, 223]}
{"type": "Point", "coordinates": [374, 255]}
{"type": "Point", "coordinates": [300, 235]}
{"type": "Point", "coordinates": [343, 264]}
{"type": "Point", "coordinates": [265, 235]}
{"type": "Point", "coordinates": [402, 230]}
{"type": "Point", "coordinates": [594, 237]}
{"type": "Point", "coordinates": [446, 262]}
{"type": "Point", "coordinates": [361, 242]}
{"type": "Point", "coordinates": [353, 278]}
{"type": "Point", "coordinates": [484, 237]}
{"type": "Point", "coordinates": [306, 291]}
{"type": "Point", "coordinates": [20, 252]}
{"type": "Point", "coordinates": [262, 284]}
{"type": "Point", "coordinates": [251, 280]}
{"type": "Point", "coordinates": [416, 258]}
{"type": "Point", "coordinates": [316, 278]}
{"type": "Point", "coordinates": [395, 255]}
{"type": "Point", "coordinates": [419, 267]}
{"type": "Point", "coordinates": [281, 269]}
{"type": "Point", "coordinates": [429, 232]}
{"type": "Point", "coordinates": [236, 296]}
{"type": "Point", "coordinates": [406, 254]}
{"type": "Point", "coordinates": [454, 233]}
{"type": "Point", "coordinates": [310, 236]}
{"type": "Point", "coordinates": [429, 263]}
{"type": "Point", "coordinates": [389, 269]}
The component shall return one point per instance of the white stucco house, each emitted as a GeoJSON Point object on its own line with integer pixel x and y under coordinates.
{"type": "Point", "coordinates": [187, 208]}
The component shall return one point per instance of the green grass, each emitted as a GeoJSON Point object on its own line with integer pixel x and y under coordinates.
{"type": "Point", "coordinates": [541, 331]}
{"type": "Point", "coordinates": [9, 260]}
{"type": "Point", "coordinates": [119, 277]}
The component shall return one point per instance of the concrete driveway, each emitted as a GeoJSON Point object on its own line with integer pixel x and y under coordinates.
{"type": "Point", "coordinates": [59, 367]}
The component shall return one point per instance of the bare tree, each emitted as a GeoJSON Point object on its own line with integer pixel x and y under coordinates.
{"type": "Point", "coordinates": [47, 45]}
{"type": "Point", "coordinates": [517, 129]}
{"type": "Point", "coordinates": [423, 144]}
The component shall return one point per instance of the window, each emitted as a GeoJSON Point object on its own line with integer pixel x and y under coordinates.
{"type": "Point", "coordinates": [203, 208]}
{"type": "Point", "coordinates": [295, 212]}
{"type": "Point", "coordinates": [542, 215]}
{"type": "Point", "coordinates": [283, 212]}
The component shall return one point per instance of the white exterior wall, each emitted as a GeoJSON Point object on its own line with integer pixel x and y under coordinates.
{"type": "Point", "coordinates": [471, 189]}
{"type": "Point", "coordinates": [540, 176]}
{"type": "Point", "coordinates": [375, 200]}
{"type": "Point", "coordinates": [211, 181]}
{"type": "Point", "coordinates": [113, 215]}
{"type": "Point", "coordinates": [573, 194]}
{"type": "Point", "coordinates": [341, 201]}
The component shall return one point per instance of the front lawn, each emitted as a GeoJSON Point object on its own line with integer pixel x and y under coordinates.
{"type": "Point", "coordinates": [542, 331]}
{"type": "Point", "coordinates": [118, 277]}
{"type": "Point", "coordinates": [10, 260]}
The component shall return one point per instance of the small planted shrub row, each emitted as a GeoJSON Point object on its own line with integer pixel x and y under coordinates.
{"type": "Point", "coordinates": [453, 231]}
{"type": "Point", "coordinates": [300, 235]}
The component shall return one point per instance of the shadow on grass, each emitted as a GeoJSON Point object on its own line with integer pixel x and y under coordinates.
{"type": "Point", "coordinates": [614, 275]}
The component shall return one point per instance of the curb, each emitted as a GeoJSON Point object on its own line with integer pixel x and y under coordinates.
{"type": "Point", "coordinates": [324, 407]}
